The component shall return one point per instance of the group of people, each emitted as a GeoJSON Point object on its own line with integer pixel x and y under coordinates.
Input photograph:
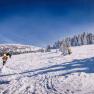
{"type": "Point", "coordinates": [5, 57]}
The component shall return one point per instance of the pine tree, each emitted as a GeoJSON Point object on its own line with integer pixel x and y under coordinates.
{"type": "Point", "coordinates": [48, 49]}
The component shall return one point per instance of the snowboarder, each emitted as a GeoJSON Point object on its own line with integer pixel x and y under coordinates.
{"type": "Point", "coordinates": [5, 57]}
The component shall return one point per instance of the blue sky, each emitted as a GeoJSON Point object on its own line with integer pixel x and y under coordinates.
{"type": "Point", "coordinates": [42, 22]}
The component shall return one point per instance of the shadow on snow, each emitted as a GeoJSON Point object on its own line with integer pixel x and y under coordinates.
{"type": "Point", "coordinates": [4, 82]}
{"type": "Point", "coordinates": [82, 65]}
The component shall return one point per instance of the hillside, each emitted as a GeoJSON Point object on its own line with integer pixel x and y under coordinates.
{"type": "Point", "coordinates": [18, 48]}
{"type": "Point", "coordinates": [49, 73]}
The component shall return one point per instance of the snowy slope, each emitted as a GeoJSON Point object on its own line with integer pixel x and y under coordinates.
{"type": "Point", "coordinates": [50, 73]}
{"type": "Point", "coordinates": [18, 47]}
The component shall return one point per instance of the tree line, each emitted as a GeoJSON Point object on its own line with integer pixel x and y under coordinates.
{"type": "Point", "coordinates": [76, 40]}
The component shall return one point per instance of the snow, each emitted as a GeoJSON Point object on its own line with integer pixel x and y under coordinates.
{"type": "Point", "coordinates": [49, 73]}
{"type": "Point", "coordinates": [19, 47]}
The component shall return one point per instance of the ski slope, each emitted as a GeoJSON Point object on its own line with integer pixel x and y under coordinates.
{"type": "Point", "coordinates": [49, 73]}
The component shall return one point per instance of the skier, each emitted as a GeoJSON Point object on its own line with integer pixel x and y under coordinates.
{"type": "Point", "coordinates": [9, 54]}
{"type": "Point", "coordinates": [5, 57]}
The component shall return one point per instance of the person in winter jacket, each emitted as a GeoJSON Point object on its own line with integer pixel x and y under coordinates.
{"type": "Point", "coordinates": [5, 57]}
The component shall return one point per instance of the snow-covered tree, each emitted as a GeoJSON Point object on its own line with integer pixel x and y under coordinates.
{"type": "Point", "coordinates": [57, 44]}
{"type": "Point", "coordinates": [65, 49]}
{"type": "Point", "coordinates": [77, 40]}
{"type": "Point", "coordinates": [84, 38]}
{"type": "Point", "coordinates": [48, 49]}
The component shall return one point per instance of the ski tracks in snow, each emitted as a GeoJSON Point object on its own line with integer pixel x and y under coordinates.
{"type": "Point", "coordinates": [49, 73]}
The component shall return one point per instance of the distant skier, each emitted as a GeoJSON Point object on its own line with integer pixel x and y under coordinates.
{"type": "Point", "coordinates": [5, 57]}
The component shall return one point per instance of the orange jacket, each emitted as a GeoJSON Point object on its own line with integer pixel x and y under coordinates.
{"type": "Point", "coordinates": [5, 58]}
